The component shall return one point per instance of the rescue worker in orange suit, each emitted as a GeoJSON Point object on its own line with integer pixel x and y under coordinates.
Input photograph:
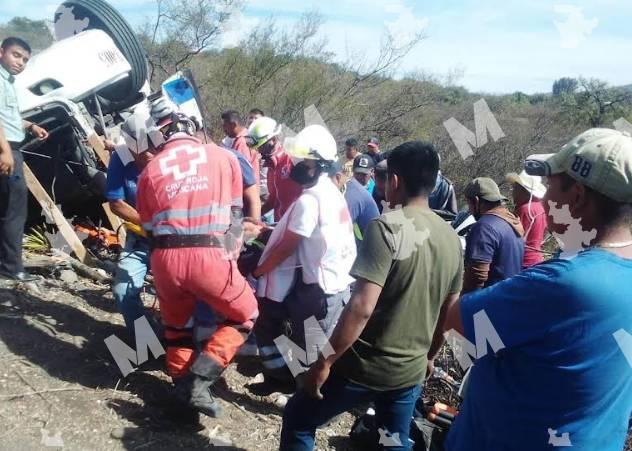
{"type": "Point", "coordinates": [190, 200]}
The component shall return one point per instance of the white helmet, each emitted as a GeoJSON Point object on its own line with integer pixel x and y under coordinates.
{"type": "Point", "coordinates": [261, 131]}
{"type": "Point", "coordinates": [314, 142]}
{"type": "Point", "coordinates": [138, 129]}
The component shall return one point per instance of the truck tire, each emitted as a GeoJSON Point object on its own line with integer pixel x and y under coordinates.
{"type": "Point", "coordinates": [103, 16]}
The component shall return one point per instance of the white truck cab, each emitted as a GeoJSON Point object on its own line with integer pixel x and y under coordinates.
{"type": "Point", "coordinates": [73, 69]}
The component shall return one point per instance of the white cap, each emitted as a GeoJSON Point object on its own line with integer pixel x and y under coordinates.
{"type": "Point", "coordinates": [532, 183]}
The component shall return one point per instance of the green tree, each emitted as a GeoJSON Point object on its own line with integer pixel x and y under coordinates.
{"type": "Point", "coordinates": [565, 85]}
{"type": "Point", "coordinates": [596, 104]}
{"type": "Point", "coordinates": [181, 30]}
{"type": "Point", "coordinates": [35, 32]}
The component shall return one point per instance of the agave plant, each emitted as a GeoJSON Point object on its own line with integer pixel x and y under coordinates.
{"type": "Point", "coordinates": [36, 241]}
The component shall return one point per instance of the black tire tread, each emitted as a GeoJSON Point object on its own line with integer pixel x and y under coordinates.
{"type": "Point", "coordinates": [123, 36]}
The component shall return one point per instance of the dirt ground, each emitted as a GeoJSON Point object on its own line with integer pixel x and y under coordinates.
{"type": "Point", "coordinates": [60, 386]}
{"type": "Point", "coordinates": [59, 383]}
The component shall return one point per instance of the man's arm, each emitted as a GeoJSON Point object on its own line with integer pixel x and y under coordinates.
{"type": "Point", "coordinates": [481, 244]}
{"type": "Point", "coordinates": [6, 155]}
{"type": "Point", "coordinates": [251, 199]}
{"type": "Point", "coordinates": [37, 131]}
{"type": "Point", "coordinates": [286, 247]}
{"type": "Point", "coordinates": [252, 202]}
{"type": "Point", "coordinates": [125, 211]}
{"type": "Point", "coordinates": [476, 275]}
{"type": "Point", "coordinates": [350, 325]}
{"type": "Point", "coordinates": [453, 319]}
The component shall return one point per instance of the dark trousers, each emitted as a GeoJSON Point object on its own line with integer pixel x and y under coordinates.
{"type": "Point", "coordinates": [13, 211]}
{"type": "Point", "coordinates": [288, 318]}
{"type": "Point", "coordinates": [393, 409]}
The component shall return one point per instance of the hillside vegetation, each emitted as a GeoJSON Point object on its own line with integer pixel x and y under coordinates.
{"type": "Point", "coordinates": [284, 71]}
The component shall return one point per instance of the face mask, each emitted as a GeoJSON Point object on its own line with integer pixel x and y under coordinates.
{"type": "Point", "coordinates": [267, 150]}
{"type": "Point", "coordinates": [300, 174]}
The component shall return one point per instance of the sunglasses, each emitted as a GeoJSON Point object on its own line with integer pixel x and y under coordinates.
{"type": "Point", "coordinates": [538, 168]}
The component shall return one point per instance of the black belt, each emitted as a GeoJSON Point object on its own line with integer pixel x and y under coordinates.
{"type": "Point", "coordinates": [180, 241]}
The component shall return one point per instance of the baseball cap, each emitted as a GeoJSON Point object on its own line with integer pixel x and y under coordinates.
{"type": "Point", "coordinates": [373, 142]}
{"type": "Point", "coordinates": [381, 167]}
{"type": "Point", "coordinates": [363, 164]}
{"type": "Point", "coordinates": [484, 188]}
{"type": "Point", "coordinates": [599, 158]}
{"type": "Point", "coordinates": [532, 183]}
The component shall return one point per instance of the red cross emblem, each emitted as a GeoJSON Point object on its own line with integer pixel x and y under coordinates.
{"type": "Point", "coordinates": [183, 161]}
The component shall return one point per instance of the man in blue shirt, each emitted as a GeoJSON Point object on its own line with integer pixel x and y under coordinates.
{"type": "Point", "coordinates": [362, 207]}
{"type": "Point", "coordinates": [14, 55]}
{"type": "Point", "coordinates": [363, 172]}
{"type": "Point", "coordinates": [134, 260]}
{"type": "Point", "coordinates": [563, 375]}
{"type": "Point", "coordinates": [494, 246]}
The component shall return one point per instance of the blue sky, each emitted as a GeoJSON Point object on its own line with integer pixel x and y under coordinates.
{"type": "Point", "coordinates": [499, 46]}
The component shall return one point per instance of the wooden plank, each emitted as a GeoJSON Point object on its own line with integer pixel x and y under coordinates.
{"type": "Point", "coordinates": [115, 223]}
{"type": "Point", "coordinates": [55, 214]}
{"type": "Point", "coordinates": [95, 142]}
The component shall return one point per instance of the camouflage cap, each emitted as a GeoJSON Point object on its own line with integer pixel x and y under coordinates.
{"type": "Point", "coordinates": [599, 158]}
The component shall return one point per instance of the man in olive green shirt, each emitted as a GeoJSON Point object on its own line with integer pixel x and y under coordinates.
{"type": "Point", "coordinates": [408, 271]}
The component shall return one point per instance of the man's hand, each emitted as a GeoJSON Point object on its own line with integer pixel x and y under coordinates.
{"type": "Point", "coordinates": [7, 163]}
{"type": "Point", "coordinates": [109, 145]}
{"type": "Point", "coordinates": [39, 132]}
{"type": "Point", "coordinates": [430, 368]}
{"type": "Point", "coordinates": [252, 228]}
{"type": "Point", "coordinates": [313, 379]}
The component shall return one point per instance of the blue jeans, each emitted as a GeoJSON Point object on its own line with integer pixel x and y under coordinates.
{"type": "Point", "coordinates": [303, 415]}
{"type": "Point", "coordinates": [129, 278]}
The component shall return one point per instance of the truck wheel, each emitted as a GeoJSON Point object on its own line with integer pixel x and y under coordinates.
{"type": "Point", "coordinates": [97, 14]}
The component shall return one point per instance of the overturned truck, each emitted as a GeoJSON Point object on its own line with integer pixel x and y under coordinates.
{"type": "Point", "coordinates": [77, 89]}
{"type": "Point", "coordinates": [80, 89]}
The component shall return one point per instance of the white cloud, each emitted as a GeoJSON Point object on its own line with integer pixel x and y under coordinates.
{"type": "Point", "coordinates": [237, 28]}
{"type": "Point", "coordinates": [406, 25]}
{"type": "Point", "coordinates": [576, 28]}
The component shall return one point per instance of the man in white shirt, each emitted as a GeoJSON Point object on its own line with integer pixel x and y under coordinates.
{"type": "Point", "coordinates": [304, 270]}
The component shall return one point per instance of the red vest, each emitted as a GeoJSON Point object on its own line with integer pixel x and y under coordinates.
{"type": "Point", "coordinates": [283, 190]}
{"type": "Point", "coordinates": [189, 189]}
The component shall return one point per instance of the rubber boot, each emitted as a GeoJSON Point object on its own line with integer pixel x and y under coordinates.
{"type": "Point", "coordinates": [194, 392]}
{"type": "Point", "coordinates": [202, 398]}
